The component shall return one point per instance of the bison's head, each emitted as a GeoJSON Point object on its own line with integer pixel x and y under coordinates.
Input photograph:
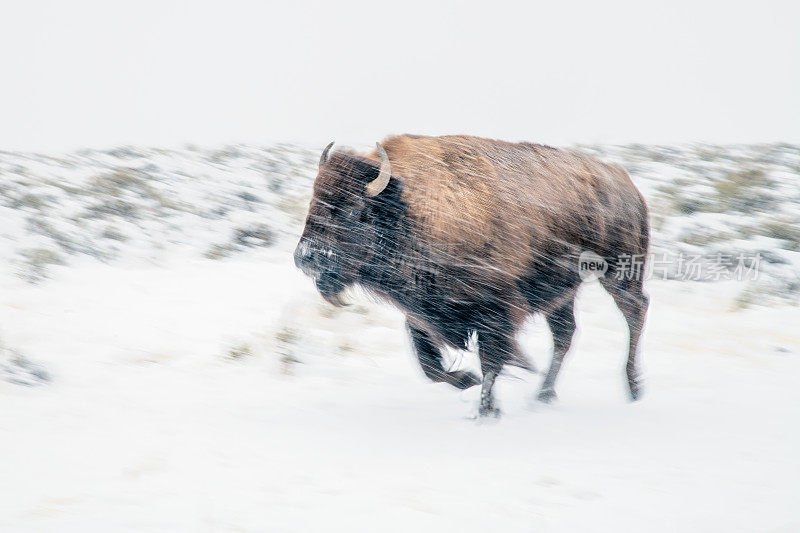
{"type": "Point", "coordinates": [343, 229]}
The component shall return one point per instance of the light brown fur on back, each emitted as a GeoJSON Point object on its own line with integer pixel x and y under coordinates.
{"type": "Point", "coordinates": [488, 201]}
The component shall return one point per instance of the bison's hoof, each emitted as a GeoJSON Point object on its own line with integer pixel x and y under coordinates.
{"type": "Point", "coordinates": [636, 392]}
{"type": "Point", "coordinates": [547, 396]}
{"type": "Point", "coordinates": [461, 379]}
{"type": "Point", "coordinates": [488, 411]}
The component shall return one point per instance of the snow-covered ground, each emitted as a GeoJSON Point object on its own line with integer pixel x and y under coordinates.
{"type": "Point", "coordinates": [150, 424]}
{"type": "Point", "coordinates": [184, 377]}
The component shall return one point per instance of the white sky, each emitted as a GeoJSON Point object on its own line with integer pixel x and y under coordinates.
{"type": "Point", "coordinates": [102, 73]}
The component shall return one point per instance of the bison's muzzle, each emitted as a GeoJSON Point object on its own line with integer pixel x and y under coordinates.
{"type": "Point", "coordinates": [308, 259]}
{"type": "Point", "coordinates": [320, 264]}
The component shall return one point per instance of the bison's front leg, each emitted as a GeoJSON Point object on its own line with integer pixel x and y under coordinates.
{"type": "Point", "coordinates": [430, 359]}
{"type": "Point", "coordinates": [494, 347]}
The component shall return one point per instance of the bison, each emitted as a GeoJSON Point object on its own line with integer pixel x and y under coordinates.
{"type": "Point", "coordinates": [469, 236]}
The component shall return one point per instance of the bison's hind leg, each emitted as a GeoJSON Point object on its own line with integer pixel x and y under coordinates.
{"type": "Point", "coordinates": [562, 325]}
{"type": "Point", "coordinates": [631, 300]}
{"type": "Point", "coordinates": [551, 290]}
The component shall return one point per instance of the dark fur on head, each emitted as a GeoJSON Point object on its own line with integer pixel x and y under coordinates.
{"type": "Point", "coordinates": [352, 236]}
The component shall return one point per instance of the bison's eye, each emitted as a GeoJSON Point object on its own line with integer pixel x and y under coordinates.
{"type": "Point", "coordinates": [354, 213]}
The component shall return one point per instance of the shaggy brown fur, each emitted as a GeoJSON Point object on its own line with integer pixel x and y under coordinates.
{"type": "Point", "coordinates": [473, 235]}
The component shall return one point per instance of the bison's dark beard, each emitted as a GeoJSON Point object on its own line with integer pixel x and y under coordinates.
{"type": "Point", "coordinates": [330, 286]}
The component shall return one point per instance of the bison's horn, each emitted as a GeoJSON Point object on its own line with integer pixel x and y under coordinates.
{"type": "Point", "coordinates": [324, 156]}
{"type": "Point", "coordinates": [376, 186]}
